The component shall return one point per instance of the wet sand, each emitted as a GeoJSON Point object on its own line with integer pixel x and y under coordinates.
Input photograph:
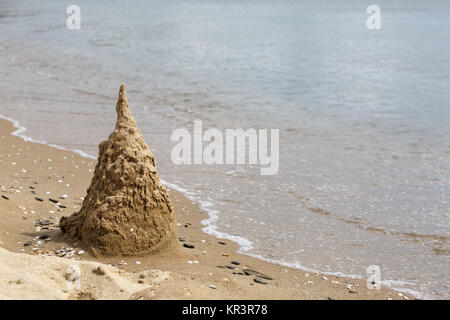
{"type": "Point", "coordinates": [206, 268]}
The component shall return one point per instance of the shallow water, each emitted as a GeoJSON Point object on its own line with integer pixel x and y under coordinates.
{"type": "Point", "coordinates": [364, 116]}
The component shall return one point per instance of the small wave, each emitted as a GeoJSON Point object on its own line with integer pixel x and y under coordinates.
{"type": "Point", "coordinates": [404, 286]}
{"type": "Point", "coordinates": [210, 228]}
{"type": "Point", "coordinates": [90, 93]}
{"type": "Point", "coordinates": [20, 133]}
{"type": "Point", "coordinates": [437, 240]}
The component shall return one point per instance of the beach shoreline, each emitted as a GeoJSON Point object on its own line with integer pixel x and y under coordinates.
{"type": "Point", "coordinates": [200, 267]}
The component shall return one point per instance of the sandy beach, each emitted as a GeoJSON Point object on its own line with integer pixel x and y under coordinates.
{"type": "Point", "coordinates": [40, 184]}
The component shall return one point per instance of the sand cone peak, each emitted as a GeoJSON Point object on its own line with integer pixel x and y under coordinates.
{"type": "Point", "coordinates": [123, 113]}
{"type": "Point", "coordinates": [126, 211]}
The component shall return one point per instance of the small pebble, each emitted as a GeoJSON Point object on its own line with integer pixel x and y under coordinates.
{"type": "Point", "coordinates": [99, 271]}
{"type": "Point", "coordinates": [259, 280]}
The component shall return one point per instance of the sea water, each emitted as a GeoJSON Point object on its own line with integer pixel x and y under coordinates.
{"type": "Point", "coordinates": [363, 116]}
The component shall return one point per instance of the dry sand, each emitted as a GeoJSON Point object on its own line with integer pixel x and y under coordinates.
{"type": "Point", "coordinates": [31, 269]}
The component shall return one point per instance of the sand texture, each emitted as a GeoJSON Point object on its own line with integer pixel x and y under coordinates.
{"type": "Point", "coordinates": [126, 211]}
{"type": "Point", "coordinates": [42, 277]}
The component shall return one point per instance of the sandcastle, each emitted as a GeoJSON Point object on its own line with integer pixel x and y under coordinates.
{"type": "Point", "coordinates": [126, 211]}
